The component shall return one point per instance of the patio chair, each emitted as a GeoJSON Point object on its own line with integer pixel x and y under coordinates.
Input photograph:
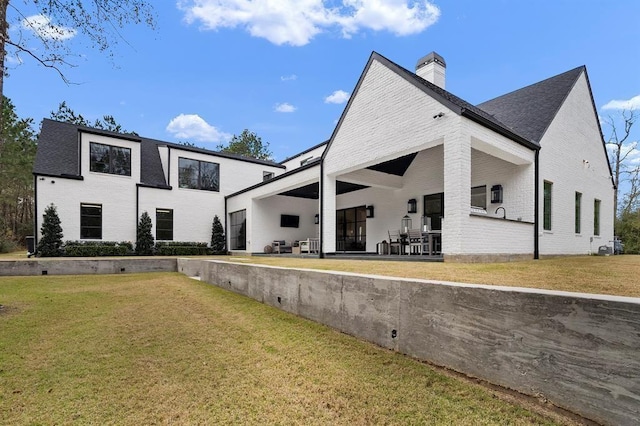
{"type": "Point", "coordinates": [415, 241]}
{"type": "Point", "coordinates": [310, 245]}
{"type": "Point", "coordinates": [394, 242]}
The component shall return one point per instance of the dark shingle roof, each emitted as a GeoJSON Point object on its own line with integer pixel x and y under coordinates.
{"type": "Point", "coordinates": [58, 152]}
{"type": "Point", "coordinates": [59, 158]}
{"type": "Point", "coordinates": [529, 111]}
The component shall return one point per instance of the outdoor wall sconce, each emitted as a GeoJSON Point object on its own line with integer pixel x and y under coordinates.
{"type": "Point", "coordinates": [316, 219]}
{"type": "Point", "coordinates": [496, 194]}
{"type": "Point", "coordinates": [369, 211]}
{"type": "Point", "coordinates": [405, 224]}
{"type": "Point", "coordinates": [412, 206]}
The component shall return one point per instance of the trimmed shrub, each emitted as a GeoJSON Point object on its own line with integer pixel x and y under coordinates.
{"type": "Point", "coordinates": [181, 248]}
{"type": "Point", "coordinates": [97, 248]}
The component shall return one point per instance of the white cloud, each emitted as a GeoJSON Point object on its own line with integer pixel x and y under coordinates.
{"type": "Point", "coordinates": [41, 25]}
{"type": "Point", "coordinates": [633, 103]}
{"type": "Point", "coordinates": [337, 97]}
{"type": "Point", "coordinates": [285, 107]}
{"type": "Point", "coordinates": [289, 77]}
{"type": "Point", "coordinates": [296, 22]}
{"type": "Point", "coordinates": [193, 127]}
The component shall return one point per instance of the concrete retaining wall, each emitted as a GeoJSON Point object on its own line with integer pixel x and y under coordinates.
{"type": "Point", "coordinates": [582, 352]}
{"type": "Point", "coordinates": [81, 266]}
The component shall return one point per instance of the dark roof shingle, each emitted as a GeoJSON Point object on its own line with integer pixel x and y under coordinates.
{"type": "Point", "coordinates": [529, 111]}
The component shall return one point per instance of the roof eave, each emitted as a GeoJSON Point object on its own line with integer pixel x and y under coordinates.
{"type": "Point", "coordinates": [499, 129]}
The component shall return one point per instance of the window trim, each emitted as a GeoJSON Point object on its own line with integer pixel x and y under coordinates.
{"type": "Point", "coordinates": [85, 227]}
{"type": "Point", "coordinates": [160, 221]}
{"type": "Point", "coordinates": [112, 159]}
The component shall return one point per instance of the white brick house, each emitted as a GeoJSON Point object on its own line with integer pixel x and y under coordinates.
{"type": "Point", "coordinates": [520, 176]}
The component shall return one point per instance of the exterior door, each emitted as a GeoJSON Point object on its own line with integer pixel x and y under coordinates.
{"type": "Point", "coordinates": [351, 229]}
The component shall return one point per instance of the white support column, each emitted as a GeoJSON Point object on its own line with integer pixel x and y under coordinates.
{"type": "Point", "coordinates": [328, 214]}
{"type": "Point", "coordinates": [457, 191]}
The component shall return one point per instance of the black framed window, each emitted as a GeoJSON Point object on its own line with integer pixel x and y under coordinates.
{"type": "Point", "coordinates": [578, 212]}
{"type": "Point", "coordinates": [596, 217]}
{"type": "Point", "coordinates": [479, 197]}
{"type": "Point", "coordinates": [238, 230]}
{"type": "Point", "coordinates": [115, 160]}
{"type": "Point", "coordinates": [195, 174]}
{"type": "Point", "coordinates": [164, 224]}
{"type": "Point", "coordinates": [434, 209]}
{"type": "Point", "coordinates": [546, 208]}
{"type": "Point", "coordinates": [91, 221]}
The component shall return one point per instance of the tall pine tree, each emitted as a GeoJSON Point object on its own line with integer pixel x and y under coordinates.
{"type": "Point", "coordinates": [144, 240]}
{"type": "Point", "coordinates": [50, 244]}
{"type": "Point", "coordinates": [218, 242]}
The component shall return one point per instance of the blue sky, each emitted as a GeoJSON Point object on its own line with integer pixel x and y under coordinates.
{"type": "Point", "coordinates": [285, 68]}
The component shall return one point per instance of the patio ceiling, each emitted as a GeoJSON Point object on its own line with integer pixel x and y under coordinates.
{"type": "Point", "coordinates": [397, 166]}
{"type": "Point", "coordinates": [312, 190]}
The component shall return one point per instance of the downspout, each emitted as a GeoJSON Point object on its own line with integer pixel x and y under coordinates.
{"type": "Point", "coordinates": [137, 208]}
{"type": "Point", "coordinates": [226, 231]}
{"type": "Point", "coordinates": [536, 203]}
{"type": "Point", "coordinates": [321, 254]}
{"type": "Point", "coordinates": [35, 212]}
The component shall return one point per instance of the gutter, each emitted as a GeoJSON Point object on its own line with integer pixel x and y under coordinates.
{"type": "Point", "coordinates": [536, 204]}
{"type": "Point", "coordinates": [321, 194]}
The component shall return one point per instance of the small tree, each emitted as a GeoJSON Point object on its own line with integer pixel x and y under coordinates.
{"type": "Point", "coordinates": [144, 239]}
{"type": "Point", "coordinates": [50, 245]}
{"type": "Point", "coordinates": [218, 242]}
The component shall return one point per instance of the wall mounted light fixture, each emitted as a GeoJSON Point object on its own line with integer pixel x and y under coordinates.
{"type": "Point", "coordinates": [412, 206]}
{"type": "Point", "coordinates": [369, 211]}
{"type": "Point", "coordinates": [316, 219]}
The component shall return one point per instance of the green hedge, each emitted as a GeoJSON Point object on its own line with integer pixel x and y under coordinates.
{"type": "Point", "coordinates": [97, 248]}
{"type": "Point", "coordinates": [181, 248]}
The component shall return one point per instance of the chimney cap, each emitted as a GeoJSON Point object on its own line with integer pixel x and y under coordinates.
{"type": "Point", "coordinates": [431, 57]}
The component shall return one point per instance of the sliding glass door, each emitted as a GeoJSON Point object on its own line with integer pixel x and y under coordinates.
{"type": "Point", "coordinates": [351, 229]}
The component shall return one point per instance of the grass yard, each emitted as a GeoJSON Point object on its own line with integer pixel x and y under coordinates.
{"type": "Point", "coordinates": [161, 348]}
{"type": "Point", "coordinates": [617, 275]}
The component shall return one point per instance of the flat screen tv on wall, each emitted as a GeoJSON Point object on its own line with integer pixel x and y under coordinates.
{"type": "Point", "coordinates": [289, 221]}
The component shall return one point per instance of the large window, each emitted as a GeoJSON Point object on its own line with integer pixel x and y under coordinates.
{"type": "Point", "coordinates": [479, 197]}
{"type": "Point", "coordinates": [578, 211]}
{"type": "Point", "coordinates": [596, 217]}
{"type": "Point", "coordinates": [164, 224]}
{"type": "Point", "coordinates": [196, 174]}
{"type": "Point", "coordinates": [238, 230]}
{"type": "Point", "coordinates": [91, 221]}
{"type": "Point", "coordinates": [115, 160]}
{"type": "Point", "coordinates": [546, 213]}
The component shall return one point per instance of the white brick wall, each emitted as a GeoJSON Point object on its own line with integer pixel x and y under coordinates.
{"type": "Point", "coordinates": [388, 118]}
{"type": "Point", "coordinates": [193, 209]}
{"type": "Point", "coordinates": [572, 138]}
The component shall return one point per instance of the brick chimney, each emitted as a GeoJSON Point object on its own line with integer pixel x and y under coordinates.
{"type": "Point", "coordinates": [432, 68]}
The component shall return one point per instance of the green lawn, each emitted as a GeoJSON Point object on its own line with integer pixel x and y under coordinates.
{"type": "Point", "coordinates": [161, 348]}
{"type": "Point", "coordinates": [616, 275]}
